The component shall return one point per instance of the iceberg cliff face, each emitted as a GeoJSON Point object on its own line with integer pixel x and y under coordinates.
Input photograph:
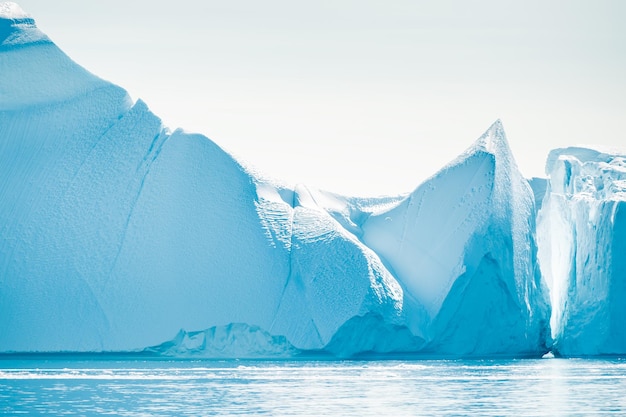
{"type": "Point", "coordinates": [582, 235]}
{"type": "Point", "coordinates": [116, 233]}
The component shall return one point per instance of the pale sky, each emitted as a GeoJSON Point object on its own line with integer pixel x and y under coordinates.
{"type": "Point", "coordinates": [355, 96]}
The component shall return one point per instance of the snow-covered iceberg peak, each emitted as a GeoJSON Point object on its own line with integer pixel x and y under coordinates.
{"type": "Point", "coordinates": [582, 236]}
{"type": "Point", "coordinates": [12, 11]}
{"type": "Point", "coordinates": [17, 28]}
{"type": "Point", "coordinates": [493, 140]}
{"type": "Point", "coordinates": [462, 245]}
{"type": "Point", "coordinates": [35, 72]}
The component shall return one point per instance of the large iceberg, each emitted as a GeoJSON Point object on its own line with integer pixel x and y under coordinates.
{"type": "Point", "coordinates": [582, 237]}
{"type": "Point", "coordinates": [463, 247]}
{"type": "Point", "coordinates": [117, 234]}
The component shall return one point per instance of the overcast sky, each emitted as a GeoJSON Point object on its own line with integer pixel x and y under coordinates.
{"type": "Point", "coordinates": [360, 97]}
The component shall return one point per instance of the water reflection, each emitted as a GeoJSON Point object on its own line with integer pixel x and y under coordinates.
{"type": "Point", "coordinates": [521, 388]}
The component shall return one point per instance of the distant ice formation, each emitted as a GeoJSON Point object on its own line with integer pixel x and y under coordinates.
{"type": "Point", "coordinates": [117, 234]}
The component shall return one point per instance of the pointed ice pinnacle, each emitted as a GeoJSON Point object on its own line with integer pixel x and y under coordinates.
{"type": "Point", "coordinates": [469, 225]}
{"type": "Point", "coordinates": [494, 138]}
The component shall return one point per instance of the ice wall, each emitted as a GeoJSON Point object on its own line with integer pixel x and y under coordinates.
{"type": "Point", "coordinates": [582, 250]}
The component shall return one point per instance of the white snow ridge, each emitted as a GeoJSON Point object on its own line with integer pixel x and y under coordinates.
{"type": "Point", "coordinates": [118, 235]}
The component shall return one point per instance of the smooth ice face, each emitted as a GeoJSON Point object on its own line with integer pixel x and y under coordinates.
{"type": "Point", "coordinates": [424, 238]}
{"type": "Point", "coordinates": [118, 234]}
{"type": "Point", "coordinates": [582, 240]}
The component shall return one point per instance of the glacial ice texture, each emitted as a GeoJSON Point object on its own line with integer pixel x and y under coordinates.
{"type": "Point", "coordinates": [582, 241]}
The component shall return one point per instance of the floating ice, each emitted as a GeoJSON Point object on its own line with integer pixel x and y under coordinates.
{"type": "Point", "coordinates": [582, 236]}
{"type": "Point", "coordinates": [116, 233]}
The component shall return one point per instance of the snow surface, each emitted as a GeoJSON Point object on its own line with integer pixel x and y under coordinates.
{"type": "Point", "coordinates": [118, 234]}
{"type": "Point", "coordinates": [582, 236]}
{"type": "Point", "coordinates": [12, 11]}
{"type": "Point", "coordinates": [17, 28]}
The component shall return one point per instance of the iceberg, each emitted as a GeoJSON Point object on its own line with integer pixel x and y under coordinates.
{"type": "Point", "coordinates": [582, 242]}
{"type": "Point", "coordinates": [119, 234]}
{"type": "Point", "coordinates": [463, 246]}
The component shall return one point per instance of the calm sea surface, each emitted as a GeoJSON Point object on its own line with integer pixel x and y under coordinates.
{"type": "Point", "coordinates": [136, 387]}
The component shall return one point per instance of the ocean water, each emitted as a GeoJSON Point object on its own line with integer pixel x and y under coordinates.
{"type": "Point", "coordinates": [139, 387]}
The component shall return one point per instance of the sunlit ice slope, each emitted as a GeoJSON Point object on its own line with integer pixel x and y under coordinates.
{"type": "Point", "coordinates": [582, 235]}
{"type": "Point", "coordinates": [118, 234]}
{"type": "Point", "coordinates": [99, 251]}
{"type": "Point", "coordinates": [463, 247]}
